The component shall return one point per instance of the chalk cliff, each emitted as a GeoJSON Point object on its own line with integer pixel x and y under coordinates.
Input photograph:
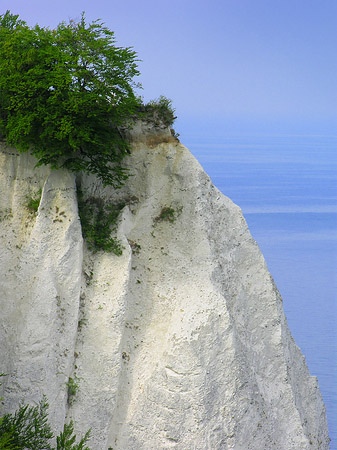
{"type": "Point", "coordinates": [179, 343]}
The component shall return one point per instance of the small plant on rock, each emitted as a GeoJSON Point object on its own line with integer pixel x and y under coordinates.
{"type": "Point", "coordinates": [168, 214]}
{"type": "Point", "coordinates": [72, 388]}
{"type": "Point", "coordinates": [33, 203]}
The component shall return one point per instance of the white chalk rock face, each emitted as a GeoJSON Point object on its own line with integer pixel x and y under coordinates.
{"type": "Point", "coordinates": [179, 343]}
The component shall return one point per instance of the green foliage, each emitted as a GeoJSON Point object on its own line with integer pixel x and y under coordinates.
{"type": "Point", "coordinates": [66, 93]}
{"type": "Point", "coordinates": [33, 203]}
{"type": "Point", "coordinates": [99, 221]}
{"type": "Point", "coordinates": [67, 439]}
{"type": "Point", "coordinates": [159, 110]}
{"type": "Point", "coordinates": [72, 388]}
{"type": "Point", "coordinates": [27, 428]}
{"type": "Point", "coordinates": [83, 320]}
{"type": "Point", "coordinates": [168, 214]}
{"type": "Point", "coordinates": [6, 442]}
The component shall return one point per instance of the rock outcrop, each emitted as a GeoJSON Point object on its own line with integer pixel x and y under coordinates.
{"type": "Point", "coordinates": [179, 343]}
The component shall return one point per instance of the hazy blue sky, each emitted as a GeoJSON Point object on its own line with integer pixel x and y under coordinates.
{"type": "Point", "coordinates": [233, 63]}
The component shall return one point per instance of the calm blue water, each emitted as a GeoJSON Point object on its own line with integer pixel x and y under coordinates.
{"type": "Point", "coordinates": [287, 189]}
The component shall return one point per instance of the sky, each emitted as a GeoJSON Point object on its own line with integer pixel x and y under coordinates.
{"type": "Point", "coordinates": [228, 65]}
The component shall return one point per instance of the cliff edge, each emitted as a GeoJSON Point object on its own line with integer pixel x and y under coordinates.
{"type": "Point", "coordinates": [179, 343]}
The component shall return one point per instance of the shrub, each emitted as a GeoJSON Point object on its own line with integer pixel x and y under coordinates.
{"type": "Point", "coordinates": [159, 110]}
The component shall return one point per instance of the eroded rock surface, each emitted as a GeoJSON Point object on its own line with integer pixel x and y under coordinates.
{"type": "Point", "coordinates": [180, 343]}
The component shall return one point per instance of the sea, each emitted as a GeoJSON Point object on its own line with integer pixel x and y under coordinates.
{"type": "Point", "coordinates": [286, 187]}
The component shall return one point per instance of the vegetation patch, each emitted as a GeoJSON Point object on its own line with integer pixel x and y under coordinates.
{"type": "Point", "coordinates": [28, 429]}
{"type": "Point", "coordinates": [168, 214]}
{"type": "Point", "coordinates": [83, 321]}
{"type": "Point", "coordinates": [158, 111]}
{"type": "Point", "coordinates": [99, 221]}
{"type": "Point", "coordinates": [72, 388]}
{"type": "Point", "coordinates": [33, 203]}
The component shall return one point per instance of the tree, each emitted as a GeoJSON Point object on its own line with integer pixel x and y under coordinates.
{"type": "Point", "coordinates": [65, 94]}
